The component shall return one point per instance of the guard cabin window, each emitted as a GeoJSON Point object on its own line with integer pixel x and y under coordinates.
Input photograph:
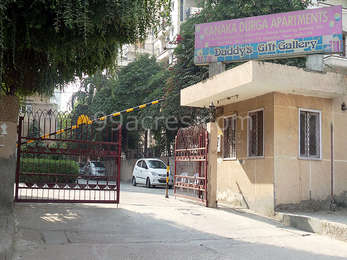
{"type": "Point", "coordinates": [229, 133]}
{"type": "Point", "coordinates": [310, 134]}
{"type": "Point", "coordinates": [256, 133]}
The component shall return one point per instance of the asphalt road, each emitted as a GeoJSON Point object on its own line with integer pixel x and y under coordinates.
{"type": "Point", "coordinates": [148, 226]}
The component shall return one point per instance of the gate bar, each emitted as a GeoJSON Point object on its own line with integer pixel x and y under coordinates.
{"type": "Point", "coordinates": [95, 120]}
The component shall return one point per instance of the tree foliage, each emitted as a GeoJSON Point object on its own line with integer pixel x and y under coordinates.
{"type": "Point", "coordinates": [46, 43]}
{"type": "Point", "coordinates": [140, 82]}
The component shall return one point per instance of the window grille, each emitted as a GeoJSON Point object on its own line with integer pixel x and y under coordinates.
{"type": "Point", "coordinates": [229, 151]}
{"type": "Point", "coordinates": [255, 133]}
{"type": "Point", "coordinates": [310, 129]}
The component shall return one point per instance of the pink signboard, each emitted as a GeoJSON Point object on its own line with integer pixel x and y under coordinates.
{"type": "Point", "coordinates": [271, 36]}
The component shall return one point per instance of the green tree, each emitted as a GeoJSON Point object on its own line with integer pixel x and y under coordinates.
{"type": "Point", "coordinates": [46, 43]}
{"type": "Point", "coordinates": [83, 99]}
{"type": "Point", "coordinates": [140, 82]}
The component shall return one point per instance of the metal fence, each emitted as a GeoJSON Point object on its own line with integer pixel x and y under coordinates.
{"type": "Point", "coordinates": [191, 147]}
{"type": "Point", "coordinates": [59, 160]}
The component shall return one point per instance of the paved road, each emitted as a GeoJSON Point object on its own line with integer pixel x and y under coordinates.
{"type": "Point", "coordinates": [148, 226]}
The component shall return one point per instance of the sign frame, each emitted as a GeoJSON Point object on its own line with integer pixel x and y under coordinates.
{"type": "Point", "coordinates": [274, 36]}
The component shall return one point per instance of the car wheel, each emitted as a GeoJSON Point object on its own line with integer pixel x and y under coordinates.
{"type": "Point", "coordinates": [133, 181]}
{"type": "Point", "coordinates": [148, 183]}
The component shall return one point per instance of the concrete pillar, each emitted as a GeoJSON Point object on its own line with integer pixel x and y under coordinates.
{"type": "Point", "coordinates": [215, 68]}
{"type": "Point", "coordinates": [212, 166]}
{"type": "Point", "coordinates": [9, 107]}
{"type": "Point", "coordinates": [315, 62]}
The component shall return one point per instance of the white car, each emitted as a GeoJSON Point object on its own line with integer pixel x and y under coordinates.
{"type": "Point", "coordinates": [151, 172]}
{"type": "Point", "coordinates": [95, 168]}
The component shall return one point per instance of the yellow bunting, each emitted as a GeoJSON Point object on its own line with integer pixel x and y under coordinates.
{"type": "Point", "coordinates": [83, 119]}
{"type": "Point", "coordinates": [102, 118]}
{"type": "Point", "coordinates": [74, 127]}
{"type": "Point", "coordinates": [130, 110]}
{"type": "Point", "coordinates": [116, 114]}
{"type": "Point", "coordinates": [60, 131]}
{"type": "Point", "coordinates": [155, 102]}
{"type": "Point", "coordinates": [143, 106]}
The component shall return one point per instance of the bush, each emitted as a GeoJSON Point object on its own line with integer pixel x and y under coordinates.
{"type": "Point", "coordinates": [69, 168]}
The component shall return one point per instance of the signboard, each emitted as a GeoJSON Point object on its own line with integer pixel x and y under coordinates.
{"type": "Point", "coordinates": [270, 36]}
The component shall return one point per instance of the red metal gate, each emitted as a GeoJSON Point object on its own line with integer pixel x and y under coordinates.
{"type": "Point", "coordinates": [59, 161]}
{"type": "Point", "coordinates": [191, 150]}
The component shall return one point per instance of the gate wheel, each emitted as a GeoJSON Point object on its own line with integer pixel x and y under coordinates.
{"type": "Point", "coordinates": [148, 183]}
{"type": "Point", "coordinates": [133, 181]}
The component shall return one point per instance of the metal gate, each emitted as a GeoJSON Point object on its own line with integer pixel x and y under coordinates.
{"type": "Point", "coordinates": [60, 160]}
{"type": "Point", "coordinates": [191, 151]}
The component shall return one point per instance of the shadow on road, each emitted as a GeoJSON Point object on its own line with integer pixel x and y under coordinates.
{"type": "Point", "coordinates": [83, 231]}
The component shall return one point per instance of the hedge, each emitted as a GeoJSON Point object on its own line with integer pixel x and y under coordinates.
{"type": "Point", "coordinates": [68, 167]}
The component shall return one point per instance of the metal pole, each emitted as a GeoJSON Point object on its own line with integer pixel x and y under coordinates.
{"type": "Point", "coordinates": [20, 126]}
{"type": "Point", "coordinates": [167, 178]}
{"type": "Point", "coordinates": [206, 166]}
{"type": "Point", "coordinates": [332, 200]}
{"type": "Point", "coordinates": [200, 153]}
{"type": "Point", "coordinates": [119, 155]}
{"type": "Point", "coordinates": [174, 178]}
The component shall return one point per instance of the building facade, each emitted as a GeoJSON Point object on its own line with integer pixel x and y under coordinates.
{"type": "Point", "coordinates": [162, 45]}
{"type": "Point", "coordinates": [275, 126]}
{"type": "Point", "coordinates": [281, 132]}
{"type": "Point", "coordinates": [37, 103]}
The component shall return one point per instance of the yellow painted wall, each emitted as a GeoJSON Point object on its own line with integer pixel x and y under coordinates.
{"type": "Point", "coordinates": [297, 179]}
{"type": "Point", "coordinates": [281, 177]}
{"type": "Point", "coordinates": [340, 147]}
{"type": "Point", "coordinates": [248, 182]}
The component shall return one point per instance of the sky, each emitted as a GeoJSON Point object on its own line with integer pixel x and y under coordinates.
{"type": "Point", "coordinates": [63, 98]}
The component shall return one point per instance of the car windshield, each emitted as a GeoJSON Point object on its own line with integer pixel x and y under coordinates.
{"type": "Point", "coordinates": [98, 164]}
{"type": "Point", "coordinates": [154, 164]}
